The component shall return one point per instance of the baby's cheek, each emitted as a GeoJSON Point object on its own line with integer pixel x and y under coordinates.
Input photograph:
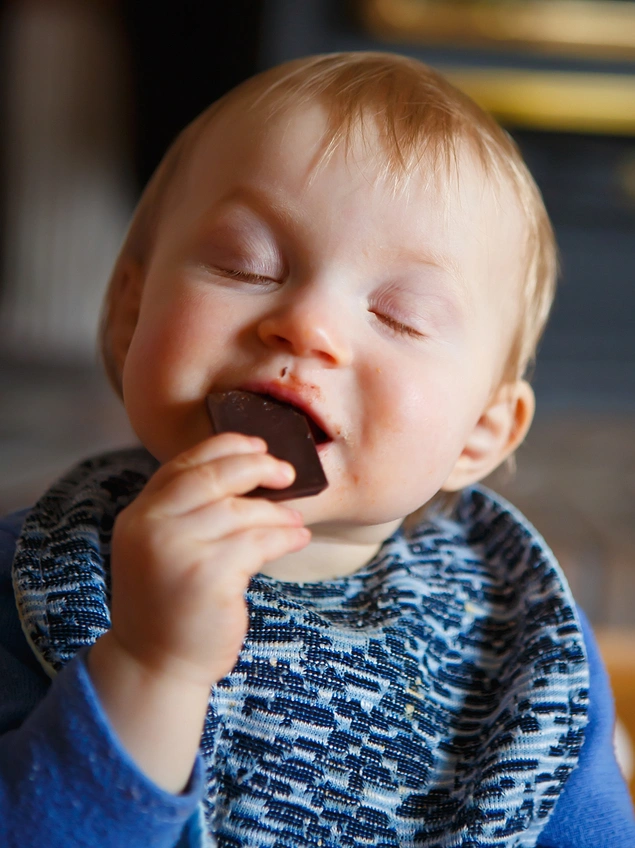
{"type": "Point", "coordinates": [389, 459]}
{"type": "Point", "coordinates": [169, 342]}
{"type": "Point", "coordinates": [160, 390]}
{"type": "Point", "coordinates": [420, 433]}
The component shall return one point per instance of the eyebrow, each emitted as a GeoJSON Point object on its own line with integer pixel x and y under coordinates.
{"type": "Point", "coordinates": [431, 258]}
{"type": "Point", "coordinates": [270, 208]}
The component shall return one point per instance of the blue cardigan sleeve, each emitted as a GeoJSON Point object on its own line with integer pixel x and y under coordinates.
{"type": "Point", "coordinates": [64, 777]}
{"type": "Point", "coordinates": [594, 809]}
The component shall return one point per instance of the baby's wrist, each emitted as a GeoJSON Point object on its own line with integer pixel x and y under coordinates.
{"type": "Point", "coordinates": [111, 657]}
{"type": "Point", "coordinates": [157, 716]}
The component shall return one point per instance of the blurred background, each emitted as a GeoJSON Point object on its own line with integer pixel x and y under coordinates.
{"type": "Point", "coordinates": [93, 91]}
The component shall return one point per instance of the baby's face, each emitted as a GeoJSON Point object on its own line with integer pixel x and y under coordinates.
{"type": "Point", "coordinates": [387, 314]}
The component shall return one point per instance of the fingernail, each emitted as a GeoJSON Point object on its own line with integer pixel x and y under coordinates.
{"type": "Point", "coordinates": [287, 471]}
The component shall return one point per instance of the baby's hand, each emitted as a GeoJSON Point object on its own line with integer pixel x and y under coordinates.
{"type": "Point", "coordinates": [183, 553]}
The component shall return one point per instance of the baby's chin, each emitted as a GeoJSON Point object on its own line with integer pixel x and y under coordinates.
{"type": "Point", "coordinates": [331, 516]}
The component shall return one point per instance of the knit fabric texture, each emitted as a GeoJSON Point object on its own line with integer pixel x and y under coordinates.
{"type": "Point", "coordinates": [437, 697]}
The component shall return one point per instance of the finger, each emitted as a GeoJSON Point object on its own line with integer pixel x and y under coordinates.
{"type": "Point", "coordinates": [233, 514]}
{"type": "Point", "coordinates": [245, 553]}
{"type": "Point", "coordinates": [227, 477]}
{"type": "Point", "coordinates": [215, 447]}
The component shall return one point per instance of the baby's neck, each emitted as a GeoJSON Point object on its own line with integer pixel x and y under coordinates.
{"type": "Point", "coordinates": [333, 552]}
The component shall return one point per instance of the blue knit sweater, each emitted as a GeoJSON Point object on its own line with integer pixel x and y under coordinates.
{"type": "Point", "coordinates": [65, 780]}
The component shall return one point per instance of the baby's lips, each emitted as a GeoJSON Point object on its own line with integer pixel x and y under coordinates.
{"type": "Point", "coordinates": [285, 430]}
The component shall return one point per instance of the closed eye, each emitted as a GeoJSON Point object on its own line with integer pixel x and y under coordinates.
{"type": "Point", "coordinates": [397, 326]}
{"type": "Point", "coordinates": [246, 276]}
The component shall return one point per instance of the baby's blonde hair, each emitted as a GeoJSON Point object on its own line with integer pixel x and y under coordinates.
{"type": "Point", "coordinates": [420, 121]}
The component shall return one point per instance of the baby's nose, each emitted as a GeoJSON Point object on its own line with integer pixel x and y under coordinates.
{"type": "Point", "coordinates": [308, 328]}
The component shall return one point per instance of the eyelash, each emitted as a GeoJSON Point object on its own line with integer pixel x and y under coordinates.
{"type": "Point", "coordinates": [246, 276]}
{"type": "Point", "coordinates": [397, 327]}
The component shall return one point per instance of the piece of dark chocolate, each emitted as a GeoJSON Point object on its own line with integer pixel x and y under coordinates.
{"type": "Point", "coordinates": [285, 430]}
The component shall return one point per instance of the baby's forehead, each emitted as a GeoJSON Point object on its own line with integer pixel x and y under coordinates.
{"type": "Point", "coordinates": [237, 132]}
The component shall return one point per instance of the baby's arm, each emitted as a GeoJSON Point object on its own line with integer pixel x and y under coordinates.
{"type": "Point", "coordinates": [65, 780]}
{"type": "Point", "coordinates": [182, 556]}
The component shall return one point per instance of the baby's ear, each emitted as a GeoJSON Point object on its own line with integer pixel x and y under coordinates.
{"type": "Point", "coordinates": [498, 432]}
{"type": "Point", "coordinates": [126, 290]}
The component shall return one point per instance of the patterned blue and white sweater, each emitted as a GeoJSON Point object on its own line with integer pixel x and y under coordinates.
{"type": "Point", "coordinates": [435, 698]}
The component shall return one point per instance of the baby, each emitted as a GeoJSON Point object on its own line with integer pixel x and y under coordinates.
{"type": "Point", "coordinates": [396, 661]}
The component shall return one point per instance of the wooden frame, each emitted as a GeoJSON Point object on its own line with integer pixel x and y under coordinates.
{"type": "Point", "coordinates": [618, 651]}
{"type": "Point", "coordinates": [588, 28]}
{"type": "Point", "coordinates": [550, 100]}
